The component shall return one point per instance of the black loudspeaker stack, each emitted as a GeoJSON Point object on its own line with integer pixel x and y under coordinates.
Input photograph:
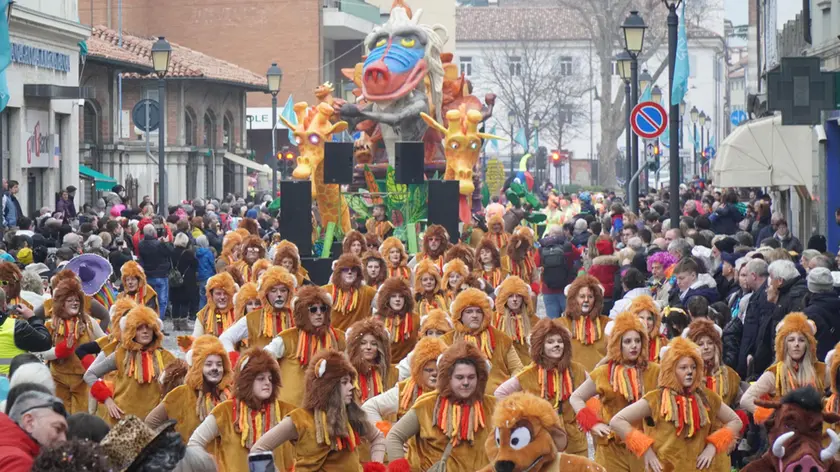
{"type": "Point", "coordinates": [443, 206]}
{"type": "Point", "coordinates": [409, 162]}
{"type": "Point", "coordinates": [296, 214]}
{"type": "Point", "coordinates": [338, 163]}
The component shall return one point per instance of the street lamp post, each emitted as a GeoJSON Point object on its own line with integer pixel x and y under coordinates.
{"type": "Point", "coordinates": [673, 112]}
{"type": "Point", "coordinates": [695, 115]}
{"type": "Point", "coordinates": [511, 118]}
{"type": "Point", "coordinates": [702, 122]}
{"type": "Point", "coordinates": [634, 38]}
{"type": "Point", "coordinates": [536, 124]}
{"type": "Point", "coordinates": [624, 60]}
{"type": "Point", "coordinates": [708, 127]}
{"type": "Point", "coordinates": [161, 54]}
{"type": "Point", "coordinates": [274, 76]}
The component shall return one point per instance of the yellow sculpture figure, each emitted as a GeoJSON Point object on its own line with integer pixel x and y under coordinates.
{"type": "Point", "coordinates": [313, 131]}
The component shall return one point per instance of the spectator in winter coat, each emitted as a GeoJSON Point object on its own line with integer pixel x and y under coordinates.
{"type": "Point", "coordinates": [11, 210]}
{"type": "Point", "coordinates": [757, 309]}
{"type": "Point", "coordinates": [155, 258]}
{"type": "Point", "coordinates": [634, 285]}
{"type": "Point", "coordinates": [206, 267]}
{"type": "Point", "coordinates": [604, 268]}
{"type": "Point", "coordinates": [727, 216]}
{"type": "Point", "coordinates": [822, 306]}
{"type": "Point", "coordinates": [581, 235]}
{"type": "Point", "coordinates": [36, 420]}
{"type": "Point", "coordinates": [691, 281]}
{"type": "Point", "coordinates": [788, 241]}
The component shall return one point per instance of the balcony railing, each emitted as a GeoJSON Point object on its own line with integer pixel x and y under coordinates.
{"type": "Point", "coordinates": [357, 8]}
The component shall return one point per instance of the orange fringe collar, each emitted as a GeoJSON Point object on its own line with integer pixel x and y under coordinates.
{"type": "Point", "coordinates": [586, 330]}
{"type": "Point", "coordinates": [144, 366]}
{"type": "Point", "coordinates": [399, 328]}
{"type": "Point", "coordinates": [457, 421]}
{"type": "Point", "coordinates": [345, 301]}
{"type": "Point", "coordinates": [517, 326]}
{"type": "Point", "coordinates": [252, 424]}
{"type": "Point", "coordinates": [216, 323]}
{"type": "Point", "coordinates": [689, 412]}
{"type": "Point", "coordinates": [341, 443]}
{"type": "Point", "coordinates": [272, 324]}
{"type": "Point", "coordinates": [310, 344]}
{"type": "Point", "coordinates": [555, 386]}
{"type": "Point", "coordinates": [626, 381]}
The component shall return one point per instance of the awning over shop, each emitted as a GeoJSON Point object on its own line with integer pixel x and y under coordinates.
{"type": "Point", "coordinates": [247, 163]}
{"type": "Point", "coordinates": [102, 181]}
{"type": "Point", "coordinates": [764, 153]}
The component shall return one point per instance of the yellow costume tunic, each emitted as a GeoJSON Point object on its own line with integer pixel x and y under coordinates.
{"type": "Point", "coordinates": [819, 374]}
{"type": "Point", "coordinates": [529, 381]}
{"type": "Point", "coordinates": [219, 322]}
{"type": "Point", "coordinates": [349, 308]}
{"type": "Point", "coordinates": [655, 346]}
{"type": "Point", "coordinates": [131, 396]}
{"type": "Point", "coordinates": [677, 452]}
{"type": "Point", "coordinates": [403, 332]}
{"type": "Point", "coordinates": [379, 228]}
{"type": "Point", "coordinates": [181, 405]}
{"type": "Point", "coordinates": [726, 383]}
{"type": "Point", "coordinates": [431, 441]}
{"type": "Point", "coordinates": [292, 368]}
{"type": "Point", "coordinates": [440, 301]}
{"type": "Point", "coordinates": [67, 373]}
{"type": "Point", "coordinates": [610, 451]}
{"type": "Point", "coordinates": [368, 388]}
{"type": "Point", "coordinates": [145, 295]}
{"type": "Point", "coordinates": [498, 345]}
{"type": "Point", "coordinates": [264, 324]}
{"type": "Point", "coordinates": [247, 271]}
{"type": "Point", "coordinates": [512, 326]}
{"type": "Point", "coordinates": [312, 456]}
{"type": "Point", "coordinates": [231, 455]}
{"type": "Point", "coordinates": [589, 343]}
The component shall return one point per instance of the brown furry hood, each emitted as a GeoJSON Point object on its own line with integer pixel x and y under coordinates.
{"type": "Point", "coordinates": [426, 266]}
{"type": "Point", "coordinates": [518, 247]}
{"type": "Point", "coordinates": [62, 275]}
{"type": "Point", "coordinates": [489, 245]}
{"type": "Point", "coordinates": [245, 294]}
{"type": "Point", "coordinates": [460, 251]}
{"type": "Point", "coordinates": [390, 287]}
{"type": "Point", "coordinates": [572, 305]}
{"type": "Point", "coordinates": [252, 363]}
{"type": "Point", "coordinates": [275, 275]}
{"type": "Point", "coordinates": [372, 240]}
{"type": "Point", "coordinates": [250, 225]}
{"type": "Point", "coordinates": [795, 322]}
{"type": "Point", "coordinates": [467, 298]}
{"type": "Point", "coordinates": [287, 249]}
{"type": "Point", "coordinates": [609, 260]}
{"type": "Point", "coordinates": [133, 269]}
{"type": "Point", "coordinates": [539, 333]}
{"type": "Point", "coordinates": [242, 232]}
{"type": "Point", "coordinates": [616, 329]}
{"type": "Point", "coordinates": [354, 335]}
{"type": "Point", "coordinates": [323, 376]}
{"type": "Point", "coordinates": [350, 238]}
{"type": "Point", "coordinates": [203, 347]}
{"type": "Point", "coordinates": [646, 303]}
{"type": "Point", "coordinates": [140, 315]}
{"type": "Point", "coordinates": [705, 327]}
{"type": "Point", "coordinates": [347, 261]}
{"type": "Point", "coordinates": [118, 310]}
{"type": "Point", "coordinates": [513, 285]}
{"type": "Point", "coordinates": [462, 352]}
{"type": "Point", "coordinates": [62, 292]}
{"type": "Point", "coordinates": [437, 319]}
{"type": "Point", "coordinates": [383, 268]}
{"type": "Point", "coordinates": [306, 296]}
{"type": "Point", "coordinates": [253, 242]}
{"type": "Point", "coordinates": [230, 242]}
{"type": "Point", "coordinates": [391, 243]}
{"type": "Point", "coordinates": [495, 219]}
{"type": "Point", "coordinates": [426, 349]}
{"type": "Point", "coordinates": [173, 376]}
{"type": "Point", "coordinates": [225, 282]}
{"type": "Point", "coordinates": [678, 348]}
{"type": "Point", "coordinates": [440, 232]}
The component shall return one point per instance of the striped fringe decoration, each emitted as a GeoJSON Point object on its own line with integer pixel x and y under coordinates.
{"type": "Point", "coordinates": [252, 424]}
{"type": "Point", "coordinates": [272, 324]}
{"type": "Point", "coordinates": [400, 328]}
{"type": "Point", "coordinates": [626, 381]}
{"type": "Point", "coordinates": [689, 413]}
{"type": "Point", "coordinates": [457, 421]}
{"type": "Point", "coordinates": [587, 331]}
{"type": "Point", "coordinates": [310, 344]}
{"type": "Point", "coordinates": [143, 366]}
{"type": "Point", "coordinates": [341, 443]}
{"type": "Point", "coordinates": [486, 342]}
{"type": "Point", "coordinates": [555, 387]}
{"type": "Point", "coordinates": [216, 323]}
{"type": "Point", "coordinates": [345, 301]}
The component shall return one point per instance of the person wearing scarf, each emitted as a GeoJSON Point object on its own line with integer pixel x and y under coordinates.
{"type": "Point", "coordinates": [351, 299]}
{"type": "Point", "coordinates": [252, 250]}
{"type": "Point", "coordinates": [375, 269]}
{"type": "Point", "coordinates": [552, 376]}
{"type": "Point", "coordinates": [353, 243]}
{"type": "Point", "coordinates": [497, 234]}
{"type": "Point", "coordinates": [138, 362]}
{"type": "Point", "coordinates": [276, 288]}
{"type": "Point", "coordinates": [207, 383]}
{"type": "Point", "coordinates": [515, 314]}
{"type": "Point", "coordinates": [434, 325]}
{"type": "Point", "coordinates": [435, 244]}
{"type": "Point", "coordinates": [219, 313]}
{"type": "Point", "coordinates": [521, 260]}
{"type": "Point", "coordinates": [428, 291]}
{"type": "Point", "coordinates": [583, 319]}
{"type": "Point", "coordinates": [396, 259]}
{"type": "Point", "coordinates": [70, 327]}
{"type": "Point", "coordinates": [134, 286]}
{"type": "Point", "coordinates": [237, 423]}
{"type": "Point", "coordinates": [329, 427]}
{"type": "Point", "coordinates": [395, 310]}
{"type": "Point", "coordinates": [457, 413]}
{"type": "Point", "coordinates": [455, 273]}
{"type": "Point", "coordinates": [796, 365]}
{"type": "Point", "coordinates": [693, 424]}
{"type": "Point", "coordinates": [230, 251]}
{"type": "Point", "coordinates": [488, 263]}
{"type": "Point", "coordinates": [646, 309]}
{"type": "Point", "coordinates": [471, 312]}
{"type": "Point", "coordinates": [624, 378]}
{"type": "Point", "coordinates": [296, 347]}
{"type": "Point", "coordinates": [288, 256]}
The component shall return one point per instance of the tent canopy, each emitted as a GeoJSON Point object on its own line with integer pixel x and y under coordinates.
{"type": "Point", "coordinates": [763, 153]}
{"type": "Point", "coordinates": [247, 163]}
{"type": "Point", "coordinates": [102, 181]}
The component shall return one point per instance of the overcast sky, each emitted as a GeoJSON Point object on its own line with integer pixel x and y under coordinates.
{"type": "Point", "coordinates": [736, 10]}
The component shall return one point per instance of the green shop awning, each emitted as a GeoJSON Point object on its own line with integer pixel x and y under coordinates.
{"type": "Point", "coordinates": [102, 181]}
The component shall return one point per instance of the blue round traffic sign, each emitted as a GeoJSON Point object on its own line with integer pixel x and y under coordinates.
{"type": "Point", "coordinates": [144, 108]}
{"type": "Point", "coordinates": [737, 117]}
{"type": "Point", "coordinates": [648, 120]}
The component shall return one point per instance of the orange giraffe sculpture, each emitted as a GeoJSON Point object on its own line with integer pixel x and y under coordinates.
{"type": "Point", "coordinates": [313, 130]}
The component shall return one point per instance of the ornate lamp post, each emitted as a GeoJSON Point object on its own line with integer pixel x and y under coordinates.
{"type": "Point", "coordinates": [634, 39]}
{"type": "Point", "coordinates": [274, 76]}
{"type": "Point", "coordinates": [161, 54]}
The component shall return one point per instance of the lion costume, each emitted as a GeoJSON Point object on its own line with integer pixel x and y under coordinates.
{"type": "Point", "coordinates": [350, 303]}
{"type": "Point", "coordinates": [588, 340]}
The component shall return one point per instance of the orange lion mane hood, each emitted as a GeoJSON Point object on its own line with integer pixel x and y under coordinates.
{"type": "Point", "coordinates": [832, 363]}
{"type": "Point", "coordinates": [225, 282]}
{"type": "Point", "coordinates": [133, 269]}
{"type": "Point", "coordinates": [427, 349]}
{"type": "Point", "coordinates": [572, 305]}
{"type": "Point", "coordinates": [438, 320]}
{"type": "Point", "coordinates": [678, 348]}
{"type": "Point", "coordinates": [64, 290]}
{"type": "Point", "coordinates": [287, 249]}
{"type": "Point", "coordinates": [615, 330]}
{"type": "Point", "coordinates": [390, 287]}
{"type": "Point", "coordinates": [462, 352]}
{"type": "Point", "coordinates": [203, 347]}
{"type": "Point", "coordinates": [275, 275]}
{"type": "Point", "coordinates": [350, 238]}
{"type": "Point", "coordinates": [460, 251]}
{"type": "Point", "coordinates": [136, 317]}
{"type": "Point", "coordinates": [646, 303]}
{"type": "Point", "coordinates": [441, 233]}
{"type": "Point", "coordinates": [347, 261]}
{"type": "Point", "coordinates": [514, 285]}
{"type": "Point", "coordinates": [539, 333]}
{"type": "Point", "coordinates": [245, 294]}
{"type": "Point", "coordinates": [306, 296]}
{"type": "Point", "coordinates": [393, 243]}
{"type": "Point", "coordinates": [795, 322]}
{"type": "Point", "coordinates": [467, 298]}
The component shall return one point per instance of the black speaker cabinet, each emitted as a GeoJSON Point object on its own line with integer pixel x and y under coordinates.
{"type": "Point", "coordinates": [320, 270]}
{"type": "Point", "coordinates": [409, 162]}
{"type": "Point", "coordinates": [443, 206]}
{"type": "Point", "coordinates": [296, 214]}
{"type": "Point", "coordinates": [338, 163]}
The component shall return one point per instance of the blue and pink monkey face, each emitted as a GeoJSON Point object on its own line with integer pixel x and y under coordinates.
{"type": "Point", "coordinates": [395, 65]}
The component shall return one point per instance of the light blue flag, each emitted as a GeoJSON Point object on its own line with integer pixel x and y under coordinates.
{"type": "Point", "coordinates": [494, 143]}
{"type": "Point", "coordinates": [521, 139]}
{"type": "Point", "coordinates": [681, 68]}
{"type": "Point", "coordinates": [288, 113]}
{"type": "Point", "coordinates": [5, 57]}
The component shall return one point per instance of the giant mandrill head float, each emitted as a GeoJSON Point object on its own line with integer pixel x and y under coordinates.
{"type": "Point", "coordinates": [314, 128]}
{"type": "Point", "coordinates": [795, 432]}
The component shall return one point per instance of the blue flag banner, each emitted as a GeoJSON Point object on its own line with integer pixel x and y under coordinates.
{"type": "Point", "coordinates": [521, 139]}
{"type": "Point", "coordinates": [5, 56]}
{"type": "Point", "coordinates": [681, 66]}
{"type": "Point", "coordinates": [288, 113]}
{"type": "Point", "coordinates": [493, 142]}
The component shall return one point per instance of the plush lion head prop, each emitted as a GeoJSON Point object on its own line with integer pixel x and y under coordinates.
{"type": "Point", "coordinates": [389, 288]}
{"type": "Point", "coordinates": [511, 286]}
{"type": "Point", "coordinates": [374, 255]}
{"type": "Point", "coordinates": [436, 320]}
{"type": "Point", "coordinates": [617, 328]}
{"type": "Point", "coordinates": [288, 250]}
{"type": "Point", "coordinates": [646, 303]}
{"type": "Point", "coordinates": [203, 347]}
{"type": "Point", "coordinates": [462, 352]}
{"type": "Point", "coordinates": [426, 267]}
{"type": "Point", "coordinates": [796, 323]}
{"type": "Point", "coordinates": [347, 261]}
{"type": "Point", "coordinates": [65, 290]}
{"type": "Point", "coordinates": [460, 251]}
{"type": "Point", "coordinates": [273, 277]}
{"type": "Point", "coordinates": [356, 333]}
{"type": "Point", "coordinates": [455, 266]}
{"type": "Point", "coordinates": [439, 232]}
{"type": "Point", "coordinates": [254, 362]}
{"type": "Point", "coordinates": [222, 281]}
{"type": "Point", "coordinates": [322, 392]}
{"type": "Point", "coordinates": [245, 294]}
{"type": "Point", "coordinates": [702, 327]}
{"type": "Point", "coordinates": [487, 244]}
{"type": "Point", "coordinates": [573, 308]}
{"type": "Point", "coordinates": [471, 297]}
{"type": "Point", "coordinates": [677, 349]}
{"type": "Point", "coordinates": [539, 333]}
{"type": "Point", "coordinates": [350, 238]}
{"type": "Point", "coordinates": [307, 296]}
{"type": "Point", "coordinates": [528, 435]}
{"type": "Point", "coordinates": [393, 243]}
{"type": "Point", "coordinates": [136, 317]}
{"type": "Point", "coordinates": [133, 269]}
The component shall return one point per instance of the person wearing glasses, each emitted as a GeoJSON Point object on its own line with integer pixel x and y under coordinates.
{"type": "Point", "coordinates": [252, 250]}
{"type": "Point", "coordinates": [294, 348]}
{"type": "Point", "coordinates": [351, 299]}
{"type": "Point", "coordinates": [36, 420]}
{"type": "Point", "coordinates": [20, 332]}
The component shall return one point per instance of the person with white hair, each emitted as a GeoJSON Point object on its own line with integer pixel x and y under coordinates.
{"type": "Point", "coordinates": [822, 306]}
{"type": "Point", "coordinates": [36, 420]}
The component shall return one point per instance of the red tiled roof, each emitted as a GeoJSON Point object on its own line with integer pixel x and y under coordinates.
{"type": "Point", "coordinates": [184, 62]}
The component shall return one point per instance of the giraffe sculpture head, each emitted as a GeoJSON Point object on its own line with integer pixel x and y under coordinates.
{"type": "Point", "coordinates": [462, 144]}
{"type": "Point", "coordinates": [312, 131]}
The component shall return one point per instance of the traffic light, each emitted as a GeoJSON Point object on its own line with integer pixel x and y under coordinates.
{"type": "Point", "coordinates": [555, 158]}
{"type": "Point", "coordinates": [656, 157]}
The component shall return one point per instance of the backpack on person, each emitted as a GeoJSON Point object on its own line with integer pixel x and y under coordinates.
{"type": "Point", "coordinates": [556, 272]}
